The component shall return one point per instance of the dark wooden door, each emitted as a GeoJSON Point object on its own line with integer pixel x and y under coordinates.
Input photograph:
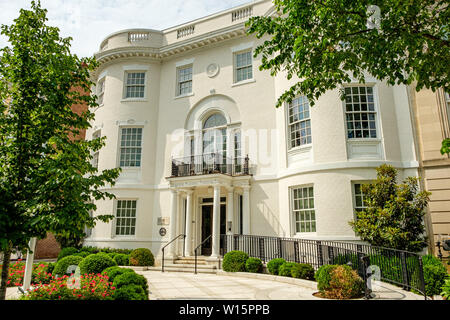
{"type": "Point", "coordinates": [207, 221]}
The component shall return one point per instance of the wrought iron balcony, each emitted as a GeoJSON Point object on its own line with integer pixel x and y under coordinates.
{"type": "Point", "coordinates": [209, 164]}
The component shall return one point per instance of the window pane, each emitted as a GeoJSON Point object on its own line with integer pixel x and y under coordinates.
{"type": "Point", "coordinates": [130, 150]}
{"type": "Point", "coordinates": [303, 209]}
{"type": "Point", "coordinates": [125, 217]}
{"type": "Point", "coordinates": [358, 111]}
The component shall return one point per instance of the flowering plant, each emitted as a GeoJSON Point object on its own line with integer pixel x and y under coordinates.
{"type": "Point", "coordinates": [17, 270]}
{"type": "Point", "coordinates": [89, 287]}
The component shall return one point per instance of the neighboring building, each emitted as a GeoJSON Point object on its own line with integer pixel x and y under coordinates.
{"type": "Point", "coordinates": [182, 109]}
{"type": "Point", "coordinates": [432, 116]}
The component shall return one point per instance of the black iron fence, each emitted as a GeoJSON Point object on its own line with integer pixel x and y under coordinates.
{"type": "Point", "coordinates": [208, 164]}
{"type": "Point", "coordinates": [398, 267]}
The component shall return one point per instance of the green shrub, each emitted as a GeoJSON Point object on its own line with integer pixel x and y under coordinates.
{"type": "Point", "coordinates": [113, 272]}
{"type": "Point", "coordinates": [51, 267]}
{"type": "Point", "coordinates": [285, 269]}
{"type": "Point", "coordinates": [253, 265]}
{"type": "Point", "coordinates": [323, 276]}
{"type": "Point", "coordinates": [434, 273]}
{"type": "Point", "coordinates": [82, 254]}
{"type": "Point", "coordinates": [69, 251]}
{"type": "Point", "coordinates": [274, 264]}
{"type": "Point", "coordinates": [234, 261]}
{"type": "Point", "coordinates": [128, 278]}
{"type": "Point", "coordinates": [130, 292]}
{"type": "Point", "coordinates": [96, 263]}
{"type": "Point", "coordinates": [62, 265]}
{"type": "Point", "coordinates": [446, 290]}
{"type": "Point", "coordinates": [302, 271]}
{"type": "Point", "coordinates": [122, 259]}
{"type": "Point", "coordinates": [141, 257]}
{"type": "Point", "coordinates": [344, 284]}
{"type": "Point", "coordinates": [90, 249]}
{"type": "Point", "coordinates": [112, 255]}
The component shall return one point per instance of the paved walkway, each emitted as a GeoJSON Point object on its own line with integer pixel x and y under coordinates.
{"type": "Point", "coordinates": [242, 286]}
{"type": "Point", "coordinates": [179, 285]}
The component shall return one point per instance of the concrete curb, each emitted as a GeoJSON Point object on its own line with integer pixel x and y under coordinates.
{"type": "Point", "coordinates": [300, 282]}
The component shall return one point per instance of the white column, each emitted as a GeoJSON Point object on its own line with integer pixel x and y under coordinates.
{"type": "Point", "coordinates": [246, 210]}
{"type": "Point", "coordinates": [230, 206]}
{"type": "Point", "coordinates": [29, 265]}
{"type": "Point", "coordinates": [188, 240]}
{"type": "Point", "coordinates": [230, 215]}
{"type": "Point", "coordinates": [216, 222]}
{"type": "Point", "coordinates": [173, 221]}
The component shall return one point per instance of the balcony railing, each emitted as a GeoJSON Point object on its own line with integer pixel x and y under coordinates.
{"type": "Point", "coordinates": [209, 164]}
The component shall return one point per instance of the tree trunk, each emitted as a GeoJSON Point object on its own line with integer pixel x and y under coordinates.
{"type": "Point", "coordinates": [5, 270]}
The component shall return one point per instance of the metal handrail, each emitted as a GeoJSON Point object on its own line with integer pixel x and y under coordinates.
{"type": "Point", "coordinates": [195, 251]}
{"type": "Point", "coordinates": [184, 239]}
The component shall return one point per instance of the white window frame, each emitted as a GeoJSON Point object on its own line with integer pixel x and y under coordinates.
{"type": "Point", "coordinates": [120, 146]}
{"type": "Point", "coordinates": [305, 120]}
{"type": "Point", "coordinates": [95, 157]}
{"type": "Point", "coordinates": [375, 112]}
{"type": "Point", "coordinates": [355, 206]}
{"type": "Point", "coordinates": [235, 67]}
{"type": "Point", "coordinates": [101, 91]}
{"type": "Point", "coordinates": [114, 225]}
{"type": "Point", "coordinates": [126, 85]}
{"type": "Point", "coordinates": [293, 211]}
{"type": "Point", "coordinates": [179, 82]}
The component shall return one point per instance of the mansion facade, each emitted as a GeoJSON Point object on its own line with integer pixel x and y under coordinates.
{"type": "Point", "coordinates": [192, 122]}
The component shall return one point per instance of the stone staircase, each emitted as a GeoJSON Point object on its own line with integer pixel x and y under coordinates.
{"type": "Point", "coordinates": [187, 264]}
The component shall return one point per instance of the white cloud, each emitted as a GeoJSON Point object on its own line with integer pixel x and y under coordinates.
{"type": "Point", "coordinates": [88, 22]}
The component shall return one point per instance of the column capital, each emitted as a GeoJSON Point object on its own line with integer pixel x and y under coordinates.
{"type": "Point", "coordinates": [245, 187]}
{"type": "Point", "coordinates": [230, 189]}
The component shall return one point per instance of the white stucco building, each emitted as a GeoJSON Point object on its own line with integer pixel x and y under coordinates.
{"type": "Point", "coordinates": [182, 108]}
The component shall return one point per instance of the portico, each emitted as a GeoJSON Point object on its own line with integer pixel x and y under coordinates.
{"type": "Point", "coordinates": [204, 207]}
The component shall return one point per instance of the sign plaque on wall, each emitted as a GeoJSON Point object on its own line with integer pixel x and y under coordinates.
{"type": "Point", "coordinates": [162, 232]}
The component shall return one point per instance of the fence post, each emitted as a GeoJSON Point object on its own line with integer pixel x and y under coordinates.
{"type": "Point", "coordinates": [297, 260]}
{"type": "Point", "coordinates": [261, 249]}
{"type": "Point", "coordinates": [280, 248]}
{"type": "Point", "coordinates": [319, 253]}
{"type": "Point", "coordinates": [330, 254]}
{"type": "Point", "coordinates": [366, 274]}
{"type": "Point", "coordinates": [404, 271]}
{"type": "Point", "coordinates": [421, 278]}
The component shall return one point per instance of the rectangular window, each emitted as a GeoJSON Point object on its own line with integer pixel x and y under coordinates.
{"type": "Point", "coordinates": [303, 209]}
{"type": "Point", "coordinates": [130, 147]}
{"type": "Point", "coordinates": [360, 112]}
{"type": "Point", "coordinates": [360, 197]}
{"type": "Point", "coordinates": [243, 66]}
{"type": "Point", "coordinates": [135, 85]}
{"type": "Point", "coordinates": [184, 76]}
{"type": "Point", "coordinates": [100, 91]}
{"type": "Point", "coordinates": [126, 218]}
{"type": "Point", "coordinates": [299, 122]}
{"type": "Point", "coordinates": [95, 156]}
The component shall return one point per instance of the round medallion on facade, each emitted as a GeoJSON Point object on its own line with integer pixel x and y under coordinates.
{"type": "Point", "coordinates": [212, 70]}
{"type": "Point", "coordinates": [162, 232]}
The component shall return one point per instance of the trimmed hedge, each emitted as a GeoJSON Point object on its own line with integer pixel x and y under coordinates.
{"type": "Point", "coordinates": [234, 261]}
{"type": "Point", "coordinates": [96, 263]}
{"type": "Point", "coordinates": [142, 257]}
{"type": "Point", "coordinates": [302, 271]}
{"type": "Point", "coordinates": [122, 259]}
{"type": "Point", "coordinates": [253, 265]}
{"type": "Point", "coordinates": [69, 251]}
{"type": "Point", "coordinates": [113, 272]}
{"type": "Point", "coordinates": [285, 269]}
{"type": "Point", "coordinates": [274, 264]}
{"type": "Point", "coordinates": [130, 286]}
{"type": "Point", "coordinates": [61, 266]}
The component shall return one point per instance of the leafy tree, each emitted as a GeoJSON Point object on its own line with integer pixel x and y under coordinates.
{"type": "Point", "coordinates": [326, 43]}
{"type": "Point", "coordinates": [393, 217]}
{"type": "Point", "coordinates": [47, 181]}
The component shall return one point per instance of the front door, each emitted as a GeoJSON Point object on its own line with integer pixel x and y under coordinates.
{"type": "Point", "coordinates": [207, 226]}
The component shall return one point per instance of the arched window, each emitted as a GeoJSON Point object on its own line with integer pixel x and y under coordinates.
{"type": "Point", "coordinates": [215, 135]}
{"type": "Point", "coordinates": [215, 120]}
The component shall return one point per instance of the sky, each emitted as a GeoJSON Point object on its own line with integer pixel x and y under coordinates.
{"type": "Point", "coordinates": [88, 22]}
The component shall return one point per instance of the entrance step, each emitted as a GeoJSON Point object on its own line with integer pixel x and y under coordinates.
{"type": "Point", "coordinates": [177, 267]}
